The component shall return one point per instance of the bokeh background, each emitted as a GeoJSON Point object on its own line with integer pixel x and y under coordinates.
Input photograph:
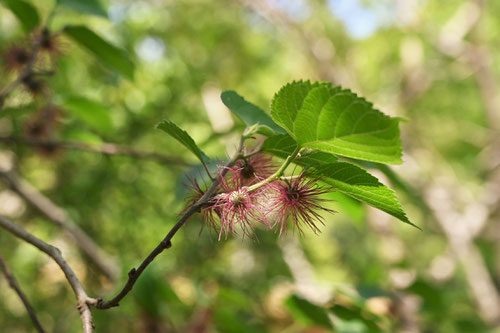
{"type": "Point", "coordinates": [434, 63]}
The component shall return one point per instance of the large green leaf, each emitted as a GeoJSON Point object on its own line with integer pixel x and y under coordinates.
{"type": "Point", "coordinates": [107, 53]}
{"type": "Point", "coordinates": [25, 12]}
{"type": "Point", "coordinates": [288, 101]}
{"type": "Point", "coordinates": [359, 184]}
{"type": "Point", "coordinates": [336, 120]}
{"type": "Point", "coordinates": [248, 112]}
{"type": "Point", "coordinates": [283, 145]}
{"type": "Point", "coordinates": [93, 7]}
{"type": "Point", "coordinates": [183, 137]}
{"type": "Point", "coordinates": [344, 177]}
{"type": "Point", "coordinates": [91, 112]}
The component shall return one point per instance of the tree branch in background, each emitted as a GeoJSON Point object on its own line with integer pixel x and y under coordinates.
{"type": "Point", "coordinates": [58, 216]}
{"type": "Point", "coordinates": [103, 148]}
{"type": "Point", "coordinates": [83, 300]}
{"type": "Point", "coordinates": [320, 49]}
{"type": "Point", "coordinates": [15, 286]}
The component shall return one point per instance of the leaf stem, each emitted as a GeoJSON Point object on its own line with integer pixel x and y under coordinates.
{"type": "Point", "coordinates": [278, 173]}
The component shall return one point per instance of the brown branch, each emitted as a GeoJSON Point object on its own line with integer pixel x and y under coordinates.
{"type": "Point", "coordinates": [104, 148]}
{"type": "Point", "coordinates": [15, 286]}
{"type": "Point", "coordinates": [166, 243]}
{"type": "Point", "coordinates": [83, 300]}
{"type": "Point", "coordinates": [58, 216]}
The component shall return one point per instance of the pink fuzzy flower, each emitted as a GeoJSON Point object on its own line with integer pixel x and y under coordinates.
{"type": "Point", "coordinates": [252, 170]}
{"type": "Point", "coordinates": [209, 214]}
{"type": "Point", "coordinates": [298, 200]}
{"type": "Point", "coordinates": [237, 207]}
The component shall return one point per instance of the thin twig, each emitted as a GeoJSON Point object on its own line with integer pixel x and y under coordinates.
{"type": "Point", "coordinates": [15, 286]}
{"type": "Point", "coordinates": [105, 263]}
{"type": "Point", "coordinates": [83, 300]}
{"type": "Point", "coordinates": [103, 148]}
{"type": "Point", "coordinates": [166, 243]}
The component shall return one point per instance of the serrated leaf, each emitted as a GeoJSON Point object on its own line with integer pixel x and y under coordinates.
{"type": "Point", "coordinates": [93, 113]}
{"type": "Point", "coordinates": [93, 7]}
{"type": "Point", "coordinates": [307, 312]}
{"type": "Point", "coordinates": [336, 120]}
{"type": "Point", "coordinates": [347, 178]}
{"type": "Point", "coordinates": [25, 12]}
{"type": "Point", "coordinates": [110, 55]}
{"type": "Point", "coordinates": [288, 101]}
{"type": "Point", "coordinates": [248, 112]}
{"type": "Point", "coordinates": [283, 145]}
{"type": "Point", "coordinates": [183, 137]}
{"type": "Point", "coordinates": [359, 184]}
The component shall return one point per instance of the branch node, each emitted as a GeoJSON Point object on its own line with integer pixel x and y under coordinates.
{"type": "Point", "coordinates": [132, 273]}
{"type": "Point", "coordinates": [166, 244]}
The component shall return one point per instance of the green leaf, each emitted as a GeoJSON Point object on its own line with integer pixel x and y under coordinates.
{"type": "Point", "coordinates": [344, 177]}
{"type": "Point", "coordinates": [183, 137]}
{"type": "Point", "coordinates": [307, 313]}
{"type": "Point", "coordinates": [336, 120]}
{"type": "Point", "coordinates": [93, 7]}
{"type": "Point", "coordinates": [248, 112]}
{"type": "Point", "coordinates": [283, 145]}
{"type": "Point", "coordinates": [359, 184]}
{"type": "Point", "coordinates": [25, 12]}
{"type": "Point", "coordinates": [110, 55]}
{"type": "Point", "coordinates": [93, 113]}
{"type": "Point", "coordinates": [288, 101]}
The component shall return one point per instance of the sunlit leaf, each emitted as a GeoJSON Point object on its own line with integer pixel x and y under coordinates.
{"type": "Point", "coordinates": [359, 184]}
{"type": "Point", "coordinates": [336, 120]}
{"type": "Point", "coordinates": [283, 145]}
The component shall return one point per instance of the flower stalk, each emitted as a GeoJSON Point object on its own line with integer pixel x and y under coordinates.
{"type": "Point", "coordinates": [278, 172]}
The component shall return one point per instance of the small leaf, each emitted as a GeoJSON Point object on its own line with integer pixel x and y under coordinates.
{"type": "Point", "coordinates": [359, 184]}
{"type": "Point", "coordinates": [308, 313]}
{"type": "Point", "coordinates": [25, 12]}
{"type": "Point", "coordinates": [248, 112]}
{"type": "Point", "coordinates": [183, 137]}
{"type": "Point", "coordinates": [110, 55]}
{"type": "Point", "coordinates": [283, 145]}
{"type": "Point", "coordinates": [93, 113]}
{"type": "Point", "coordinates": [93, 7]}
{"type": "Point", "coordinates": [333, 120]}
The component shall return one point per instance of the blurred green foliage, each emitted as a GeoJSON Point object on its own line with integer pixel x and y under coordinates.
{"type": "Point", "coordinates": [160, 59]}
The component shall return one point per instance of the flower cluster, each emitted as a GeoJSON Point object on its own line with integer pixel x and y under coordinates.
{"type": "Point", "coordinates": [32, 59]}
{"type": "Point", "coordinates": [239, 206]}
